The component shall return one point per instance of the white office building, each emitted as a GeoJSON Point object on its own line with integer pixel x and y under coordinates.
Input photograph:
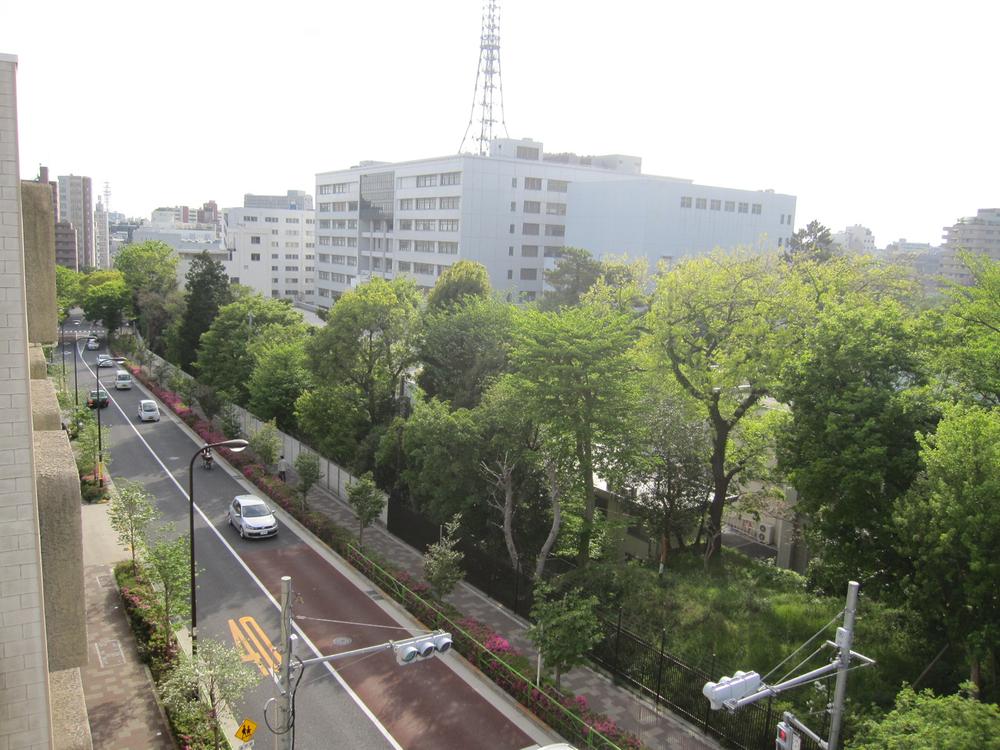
{"type": "Point", "coordinates": [272, 249]}
{"type": "Point", "coordinates": [856, 239]}
{"type": "Point", "coordinates": [514, 210]}
{"type": "Point", "coordinates": [102, 236]}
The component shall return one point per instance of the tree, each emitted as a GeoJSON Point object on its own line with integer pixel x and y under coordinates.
{"type": "Point", "coordinates": [166, 563]}
{"type": "Point", "coordinates": [109, 302]}
{"type": "Point", "coordinates": [442, 562]}
{"type": "Point", "coordinates": [279, 377]}
{"type": "Point", "coordinates": [462, 348]}
{"type": "Point", "coordinates": [721, 325]}
{"type": "Point", "coordinates": [814, 242]}
{"type": "Point", "coordinates": [367, 501]}
{"type": "Point", "coordinates": [565, 627]}
{"type": "Point", "coordinates": [307, 467]}
{"type": "Point", "coordinates": [226, 354]}
{"type": "Point", "coordinates": [207, 290]}
{"type": "Point", "coordinates": [266, 443]}
{"type": "Point", "coordinates": [150, 273]}
{"type": "Point", "coordinates": [217, 671]}
{"type": "Point", "coordinates": [67, 289]}
{"type": "Point", "coordinates": [130, 514]}
{"type": "Point", "coordinates": [333, 418]}
{"type": "Point", "coordinates": [576, 371]}
{"type": "Point", "coordinates": [950, 529]}
{"type": "Point", "coordinates": [464, 279]}
{"type": "Point", "coordinates": [924, 721]}
{"type": "Point", "coordinates": [575, 272]}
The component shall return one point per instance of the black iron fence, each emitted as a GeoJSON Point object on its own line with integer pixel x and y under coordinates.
{"type": "Point", "coordinates": [646, 668]}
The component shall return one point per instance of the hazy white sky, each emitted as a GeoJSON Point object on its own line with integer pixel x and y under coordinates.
{"type": "Point", "coordinates": [879, 113]}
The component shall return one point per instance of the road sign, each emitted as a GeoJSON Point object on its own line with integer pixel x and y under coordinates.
{"type": "Point", "coordinates": [246, 730]}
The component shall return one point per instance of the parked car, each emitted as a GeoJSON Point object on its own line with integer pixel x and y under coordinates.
{"type": "Point", "coordinates": [104, 360]}
{"type": "Point", "coordinates": [148, 411]}
{"type": "Point", "coordinates": [98, 399]}
{"type": "Point", "coordinates": [93, 344]}
{"type": "Point", "coordinates": [123, 380]}
{"type": "Point", "coordinates": [250, 516]}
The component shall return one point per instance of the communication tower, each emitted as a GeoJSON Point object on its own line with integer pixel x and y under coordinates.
{"type": "Point", "coordinates": [488, 81]}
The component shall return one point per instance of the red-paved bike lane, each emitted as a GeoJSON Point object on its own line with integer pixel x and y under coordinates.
{"type": "Point", "coordinates": [425, 706]}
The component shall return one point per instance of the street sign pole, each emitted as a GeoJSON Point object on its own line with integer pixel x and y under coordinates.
{"type": "Point", "coordinates": [283, 741]}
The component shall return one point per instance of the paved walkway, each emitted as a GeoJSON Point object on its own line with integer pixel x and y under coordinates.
{"type": "Point", "coordinates": [116, 686]}
{"type": "Point", "coordinates": [657, 729]}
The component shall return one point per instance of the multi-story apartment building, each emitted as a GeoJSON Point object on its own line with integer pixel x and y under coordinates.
{"type": "Point", "coordinates": [102, 236]}
{"type": "Point", "coordinates": [856, 239]}
{"type": "Point", "coordinates": [272, 246]}
{"type": "Point", "coordinates": [514, 210]}
{"type": "Point", "coordinates": [77, 207]}
{"type": "Point", "coordinates": [977, 234]}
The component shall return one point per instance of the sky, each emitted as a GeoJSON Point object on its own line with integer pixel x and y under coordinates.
{"type": "Point", "coordinates": [879, 113]}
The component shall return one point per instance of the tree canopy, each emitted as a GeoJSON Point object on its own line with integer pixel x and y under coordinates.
{"type": "Point", "coordinates": [464, 279]}
{"type": "Point", "coordinates": [207, 291]}
{"type": "Point", "coordinates": [575, 272]}
{"type": "Point", "coordinates": [110, 302]}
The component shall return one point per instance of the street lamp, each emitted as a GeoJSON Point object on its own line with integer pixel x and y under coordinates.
{"type": "Point", "coordinates": [236, 445]}
{"type": "Point", "coordinates": [76, 371]}
{"type": "Point", "coordinates": [100, 443]}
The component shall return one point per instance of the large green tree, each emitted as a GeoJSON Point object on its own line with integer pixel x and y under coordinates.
{"type": "Point", "coordinates": [207, 290]}
{"type": "Point", "coordinates": [577, 373]}
{"type": "Point", "coordinates": [109, 302]}
{"type": "Point", "coordinates": [950, 528]}
{"type": "Point", "coordinates": [67, 289]}
{"type": "Point", "coordinates": [575, 272]}
{"type": "Point", "coordinates": [150, 271]}
{"type": "Point", "coordinates": [226, 357]}
{"type": "Point", "coordinates": [279, 377]}
{"type": "Point", "coordinates": [722, 326]}
{"type": "Point", "coordinates": [814, 242]}
{"type": "Point", "coordinates": [462, 347]}
{"type": "Point", "coordinates": [460, 281]}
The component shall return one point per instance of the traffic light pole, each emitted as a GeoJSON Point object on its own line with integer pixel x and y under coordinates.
{"type": "Point", "coordinates": [845, 637]}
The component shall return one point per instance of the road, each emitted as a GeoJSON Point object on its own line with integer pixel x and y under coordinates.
{"type": "Point", "coordinates": [371, 703]}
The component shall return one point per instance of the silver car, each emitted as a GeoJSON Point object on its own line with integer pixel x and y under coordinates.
{"type": "Point", "coordinates": [250, 516]}
{"type": "Point", "coordinates": [148, 411]}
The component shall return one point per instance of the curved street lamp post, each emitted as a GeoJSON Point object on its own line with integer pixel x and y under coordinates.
{"type": "Point", "coordinates": [235, 446]}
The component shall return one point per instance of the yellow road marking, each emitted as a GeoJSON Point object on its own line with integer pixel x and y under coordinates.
{"type": "Point", "coordinates": [254, 645]}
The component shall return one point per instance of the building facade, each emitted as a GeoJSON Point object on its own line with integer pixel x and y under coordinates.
{"type": "Point", "coordinates": [976, 234]}
{"type": "Point", "coordinates": [856, 239]}
{"type": "Point", "coordinates": [514, 210]}
{"type": "Point", "coordinates": [188, 238]}
{"type": "Point", "coordinates": [294, 200]}
{"type": "Point", "coordinates": [77, 207]}
{"type": "Point", "coordinates": [272, 250]}
{"type": "Point", "coordinates": [102, 237]}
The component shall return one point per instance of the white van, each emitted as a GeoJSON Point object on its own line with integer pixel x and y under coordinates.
{"type": "Point", "coordinates": [123, 381]}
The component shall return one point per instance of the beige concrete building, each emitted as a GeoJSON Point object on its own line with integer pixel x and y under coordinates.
{"type": "Point", "coordinates": [43, 639]}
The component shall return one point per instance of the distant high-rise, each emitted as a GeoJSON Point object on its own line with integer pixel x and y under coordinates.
{"type": "Point", "coordinates": [977, 234]}
{"type": "Point", "coordinates": [856, 239]}
{"type": "Point", "coordinates": [101, 236]}
{"type": "Point", "coordinates": [294, 200]}
{"type": "Point", "coordinates": [76, 205]}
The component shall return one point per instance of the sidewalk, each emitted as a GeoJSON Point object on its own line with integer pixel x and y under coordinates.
{"type": "Point", "coordinates": [657, 729]}
{"type": "Point", "coordinates": [116, 686]}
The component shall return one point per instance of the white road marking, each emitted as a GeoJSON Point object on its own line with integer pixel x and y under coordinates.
{"type": "Point", "coordinates": [305, 639]}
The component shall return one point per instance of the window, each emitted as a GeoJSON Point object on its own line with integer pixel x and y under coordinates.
{"type": "Point", "coordinates": [352, 205]}
{"type": "Point", "coordinates": [558, 186]}
{"type": "Point", "coordinates": [532, 207]}
{"type": "Point", "coordinates": [427, 180]}
{"type": "Point", "coordinates": [270, 219]}
{"type": "Point", "coordinates": [351, 261]}
{"type": "Point", "coordinates": [310, 221]}
{"type": "Point", "coordinates": [324, 223]}
{"type": "Point", "coordinates": [352, 223]}
{"type": "Point", "coordinates": [339, 242]}
{"type": "Point", "coordinates": [406, 204]}
{"type": "Point", "coordinates": [324, 207]}
{"type": "Point", "coordinates": [755, 209]}
{"type": "Point", "coordinates": [510, 250]}
{"type": "Point", "coordinates": [323, 275]}
{"type": "Point", "coordinates": [403, 246]}
{"type": "Point", "coordinates": [424, 225]}
{"type": "Point", "coordinates": [555, 209]}
{"type": "Point", "coordinates": [274, 268]}
{"type": "Point", "coordinates": [730, 205]}
{"type": "Point", "coordinates": [553, 251]}
{"type": "Point", "coordinates": [532, 183]}
{"type": "Point", "coordinates": [291, 281]}
{"type": "Point", "coordinates": [424, 268]}
{"type": "Point", "coordinates": [290, 220]}
{"type": "Point", "coordinates": [254, 256]}
{"type": "Point", "coordinates": [526, 152]}
{"type": "Point", "coordinates": [715, 205]}
{"type": "Point", "coordinates": [700, 203]}
{"type": "Point", "coordinates": [291, 256]}
{"type": "Point", "coordinates": [338, 278]}
{"type": "Point", "coordinates": [255, 240]}
{"type": "Point", "coordinates": [352, 241]}
{"type": "Point", "coordinates": [274, 231]}
{"type": "Point", "coordinates": [291, 268]}
{"type": "Point", "coordinates": [291, 232]}
{"type": "Point", "coordinates": [513, 182]}
{"type": "Point", "coordinates": [512, 229]}
{"type": "Point", "coordinates": [513, 206]}
{"type": "Point", "coordinates": [510, 273]}
{"type": "Point", "coordinates": [529, 274]}
{"type": "Point", "coordinates": [291, 244]}
{"type": "Point", "coordinates": [451, 202]}
{"type": "Point", "coordinates": [780, 241]}
{"type": "Point", "coordinates": [339, 206]}
{"type": "Point", "coordinates": [448, 248]}
{"type": "Point", "coordinates": [423, 246]}
{"type": "Point", "coordinates": [405, 225]}
{"type": "Point", "coordinates": [451, 178]}
{"type": "Point", "coordinates": [447, 225]}
{"type": "Point", "coordinates": [324, 292]}
{"type": "Point", "coordinates": [555, 230]}
{"type": "Point", "coordinates": [403, 265]}
{"type": "Point", "coordinates": [274, 256]}
{"type": "Point", "coordinates": [529, 229]}
{"type": "Point", "coordinates": [325, 241]}
{"type": "Point", "coordinates": [744, 208]}
{"type": "Point", "coordinates": [426, 204]}
{"type": "Point", "coordinates": [337, 260]}
{"type": "Point", "coordinates": [529, 251]}
{"type": "Point", "coordinates": [685, 201]}
{"type": "Point", "coordinates": [252, 219]}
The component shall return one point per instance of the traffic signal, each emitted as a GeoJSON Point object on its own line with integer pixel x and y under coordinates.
{"type": "Point", "coordinates": [740, 685]}
{"type": "Point", "coordinates": [785, 736]}
{"type": "Point", "coordinates": [421, 647]}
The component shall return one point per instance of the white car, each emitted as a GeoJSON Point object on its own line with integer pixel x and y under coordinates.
{"type": "Point", "coordinates": [103, 360]}
{"type": "Point", "coordinates": [250, 516]}
{"type": "Point", "coordinates": [148, 411]}
{"type": "Point", "coordinates": [93, 344]}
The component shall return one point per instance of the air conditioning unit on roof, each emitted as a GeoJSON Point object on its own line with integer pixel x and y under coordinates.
{"type": "Point", "coordinates": [765, 533]}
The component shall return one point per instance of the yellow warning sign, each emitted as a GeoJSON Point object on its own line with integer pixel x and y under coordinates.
{"type": "Point", "coordinates": [246, 730]}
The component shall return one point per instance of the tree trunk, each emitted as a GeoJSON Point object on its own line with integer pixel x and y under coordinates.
{"type": "Point", "coordinates": [508, 516]}
{"type": "Point", "coordinates": [554, 493]}
{"type": "Point", "coordinates": [585, 456]}
{"type": "Point", "coordinates": [720, 485]}
{"type": "Point", "coordinates": [976, 676]}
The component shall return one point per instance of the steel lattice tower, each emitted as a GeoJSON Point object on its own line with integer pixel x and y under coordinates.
{"type": "Point", "coordinates": [488, 81]}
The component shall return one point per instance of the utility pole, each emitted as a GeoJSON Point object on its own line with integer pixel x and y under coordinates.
{"type": "Point", "coordinates": [845, 637]}
{"type": "Point", "coordinates": [283, 741]}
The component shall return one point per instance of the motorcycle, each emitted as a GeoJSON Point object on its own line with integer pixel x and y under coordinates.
{"type": "Point", "coordinates": [206, 460]}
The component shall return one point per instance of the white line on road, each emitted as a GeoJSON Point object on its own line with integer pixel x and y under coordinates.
{"type": "Point", "coordinates": [305, 639]}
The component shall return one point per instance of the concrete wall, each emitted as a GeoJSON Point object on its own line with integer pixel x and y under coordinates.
{"type": "Point", "coordinates": [61, 531]}
{"type": "Point", "coordinates": [24, 698]}
{"type": "Point", "coordinates": [38, 224]}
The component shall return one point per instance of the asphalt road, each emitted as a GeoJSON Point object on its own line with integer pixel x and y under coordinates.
{"type": "Point", "coordinates": [371, 703]}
